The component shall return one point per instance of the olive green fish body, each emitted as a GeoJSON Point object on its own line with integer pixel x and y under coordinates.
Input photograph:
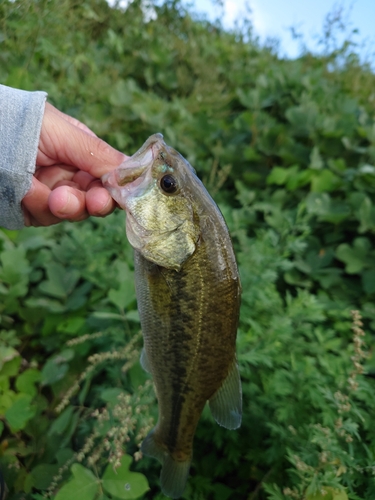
{"type": "Point", "coordinates": [188, 294]}
{"type": "Point", "coordinates": [189, 321]}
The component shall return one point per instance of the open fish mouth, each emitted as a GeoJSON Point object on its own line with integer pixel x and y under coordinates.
{"type": "Point", "coordinates": [130, 178]}
{"type": "Point", "coordinates": [131, 173]}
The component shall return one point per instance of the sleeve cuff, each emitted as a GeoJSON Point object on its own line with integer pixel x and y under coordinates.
{"type": "Point", "coordinates": [21, 116]}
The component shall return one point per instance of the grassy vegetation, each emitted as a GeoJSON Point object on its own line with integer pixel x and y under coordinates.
{"type": "Point", "coordinates": [287, 149]}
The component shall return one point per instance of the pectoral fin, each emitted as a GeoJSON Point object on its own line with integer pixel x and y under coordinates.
{"type": "Point", "coordinates": [226, 403]}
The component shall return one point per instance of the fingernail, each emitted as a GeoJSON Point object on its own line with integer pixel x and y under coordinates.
{"type": "Point", "coordinates": [107, 207]}
{"type": "Point", "coordinates": [71, 206]}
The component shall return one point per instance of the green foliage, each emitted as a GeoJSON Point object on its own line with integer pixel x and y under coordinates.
{"type": "Point", "coordinates": [287, 148]}
{"type": "Point", "coordinates": [119, 483]}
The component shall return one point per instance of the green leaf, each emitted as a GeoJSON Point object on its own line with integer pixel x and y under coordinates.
{"type": "Point", "coordinates": [111, 395]}
{"type": "Point", "coordinates": [4, 383]}
{"type": "Point", "coordinates": [121, 94]}
{"type": "Point", "coordinates": [366, 215]}
{"type": "Point", "coordinates": [368, 280]}
{"type": "Point", "coordinates": [27, 380]}
{"type": "Point", "coordinates": [6, 401]}
{"type": "Point", "coordinates": [133, 316]}
{"type": "Point", "coordinates": [125, 294]}
{"type": "Point", "coordinates": [43, 474]}
{"type": "Point", "coordinates": [107, 315]}
{"type": "Point", "coordinates": [28, 483]}
{"type": "Point", "coordinates": [324, 180]}
{"type": "Point", "coordinates": [83, 486]}
{"type": "Point", "coordinates": [60, 282]}
{"type": "Point", "coordinates": [15, 266]}
{"type": "Point", "coordinates": [326, 208]}
{"type": "Point", "coordinates": [316, 162]}
{"type": "Point", "coordinates": [62, 421]}
{"type": "Point", "coordinates": [328, 494]}
{"type": "Point", "coordinates": [121, 297]}
{"type": "Point", "coordinates": [50, 305]}
{"type": "Point", "coordinates": [53, 372]}
{"type": "Point", "coordinates": [278, 176]}
{"type": "Point", "coordinates": [71, 325]}
{"type": "Point", "coordinates": [222, 492]}
{"type": "Point", "coordinates": [354, 256]}
{"type": "Point", "coordinates": [20, 412]}
{"type": "Point", "coordinates": [56, 367]}
{"type": "Point", "coordinates": [339, 495]}
{"type": "Point", "coordinates": [10, 361]}
{"type": "Point", "coordinates": [123, 483]}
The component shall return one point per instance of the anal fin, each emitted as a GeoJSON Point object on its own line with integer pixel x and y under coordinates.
{"type": "Point", "coordinates": [144, 361]}
{"type": "Point", "coordinates": [226, 403]}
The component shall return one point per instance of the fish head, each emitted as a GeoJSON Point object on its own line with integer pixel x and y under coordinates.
{"type": "Point", "coordinates": [155, 187]}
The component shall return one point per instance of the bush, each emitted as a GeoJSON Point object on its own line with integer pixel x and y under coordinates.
{"type": "Point", "coordinates": [287, 148]}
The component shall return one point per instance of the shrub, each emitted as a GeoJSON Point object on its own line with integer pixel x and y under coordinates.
{"type": "Point", "coordinates": [287, 148]}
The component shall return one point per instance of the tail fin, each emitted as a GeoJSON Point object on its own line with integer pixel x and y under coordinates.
{"type": "Point", "coordinates": [173, 474]}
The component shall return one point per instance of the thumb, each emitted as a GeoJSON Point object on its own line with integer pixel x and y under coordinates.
{"type": "Point", "coordinates": [64, 142]}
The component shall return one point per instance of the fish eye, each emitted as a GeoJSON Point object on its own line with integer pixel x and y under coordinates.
{"type": "Point", "coordinates": [168, 184]}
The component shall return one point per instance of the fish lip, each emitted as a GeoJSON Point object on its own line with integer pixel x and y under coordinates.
{"type": "Point", "coordinates": [129, 175]}
{"type": "Point", "coordinates": [132, 169]}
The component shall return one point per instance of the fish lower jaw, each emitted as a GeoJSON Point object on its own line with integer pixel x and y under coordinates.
{"type": "Point", "coordinates": [136, 234]}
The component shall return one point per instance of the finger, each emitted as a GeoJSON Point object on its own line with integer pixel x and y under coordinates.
{"type": "Point", "coordinates": [67, 202]}
{"type": "Point", "coordinates": [71, 120]}
{"type": "Point", "coordinates": [59, 175]}
{"type": "Point", "coordinates": [84, 179]}
{"type": "Point", "coordinates": [61, 141]}
{"type": "Point", "coordinates": [35, 206]}
{"type": "Point", "coordinates": [72, 184]}
{"type": "Point", "coordinates": [98, 201]}
{"type": "Point", "coordinates": [51, 176]}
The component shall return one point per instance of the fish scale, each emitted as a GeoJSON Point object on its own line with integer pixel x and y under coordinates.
{"type": "Point", "coordinates": [188, 294]}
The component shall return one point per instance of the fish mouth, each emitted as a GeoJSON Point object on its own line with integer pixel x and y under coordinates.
{"type": "Point", "coordinates": [132, 172]}
{"type": "Point", "coordinates": [130, 179]}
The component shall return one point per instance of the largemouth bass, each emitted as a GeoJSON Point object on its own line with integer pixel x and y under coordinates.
{"type": "Point", "coordinates": [188, 293]}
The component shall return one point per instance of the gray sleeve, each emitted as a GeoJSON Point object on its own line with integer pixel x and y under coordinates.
{"type": "Point", "coordinates": [21, 115]}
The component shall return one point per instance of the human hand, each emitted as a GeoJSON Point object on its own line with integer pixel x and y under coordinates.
{"type": "Point", "coordinates": [69, 164]}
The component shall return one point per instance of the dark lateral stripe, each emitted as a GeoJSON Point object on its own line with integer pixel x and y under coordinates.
{"type": "Point", "coordinates": [181, 321]}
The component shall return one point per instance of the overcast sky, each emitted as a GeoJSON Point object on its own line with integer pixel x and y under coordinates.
{"type": "Point", "coordinates": [273, 18]}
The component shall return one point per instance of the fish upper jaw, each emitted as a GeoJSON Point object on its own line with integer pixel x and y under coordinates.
{"type": "Point", "coordinates": [128, 171]}
{"type": "Point", "coordinates": [134, 173]}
